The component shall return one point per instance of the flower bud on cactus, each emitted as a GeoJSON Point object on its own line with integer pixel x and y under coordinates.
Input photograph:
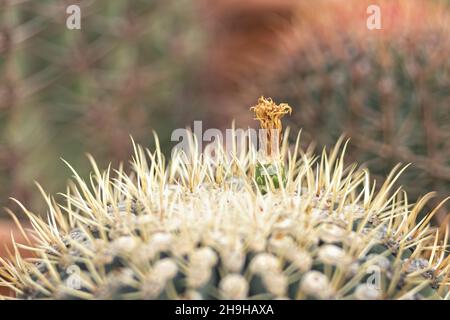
{"type": "Point", "coordinates": [270, 170]}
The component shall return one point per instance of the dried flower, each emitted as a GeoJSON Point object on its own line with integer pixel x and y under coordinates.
{"type": "Point", "coordinates": [269, 115]}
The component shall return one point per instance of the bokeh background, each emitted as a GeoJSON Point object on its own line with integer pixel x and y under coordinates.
{"type": "Point", "coordinates": [137, 66]}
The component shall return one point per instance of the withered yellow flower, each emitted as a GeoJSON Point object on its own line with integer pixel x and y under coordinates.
{"type": "Point", "coordinates": [269, 114]}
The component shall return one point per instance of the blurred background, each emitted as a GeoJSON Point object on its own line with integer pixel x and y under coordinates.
{"type": "Point", "coordinates": [137, 66]}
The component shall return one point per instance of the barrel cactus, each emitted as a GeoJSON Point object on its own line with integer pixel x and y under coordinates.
{"type": "Point", "coordinates": [201, 227]}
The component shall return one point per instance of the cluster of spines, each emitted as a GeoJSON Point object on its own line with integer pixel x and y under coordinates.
{"type": "Point", "coordinates": [177, 231]}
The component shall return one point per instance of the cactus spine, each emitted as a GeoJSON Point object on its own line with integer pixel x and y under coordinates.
{"type": "Point", "coordinates": [175, 231]}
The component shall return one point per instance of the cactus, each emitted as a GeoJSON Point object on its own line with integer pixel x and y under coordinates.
{"type": "Point", "coordinates": [180, 230]}
{"type": "Point", "coordinates": [65, 92]}
{"type": "Point", "coordinates": [387, 91]}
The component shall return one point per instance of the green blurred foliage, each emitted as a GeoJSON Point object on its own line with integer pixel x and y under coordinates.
{"type": "Point", "coordinates": [128, 71]}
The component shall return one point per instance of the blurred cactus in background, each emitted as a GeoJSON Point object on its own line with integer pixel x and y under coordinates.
{"type": "Point", "coordinates": [66, 92]}
{"type": "Point", "coordinates": [388, 90]}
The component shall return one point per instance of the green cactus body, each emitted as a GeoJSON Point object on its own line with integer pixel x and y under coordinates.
{"type": "Point", "coordinates": [268, 175]}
